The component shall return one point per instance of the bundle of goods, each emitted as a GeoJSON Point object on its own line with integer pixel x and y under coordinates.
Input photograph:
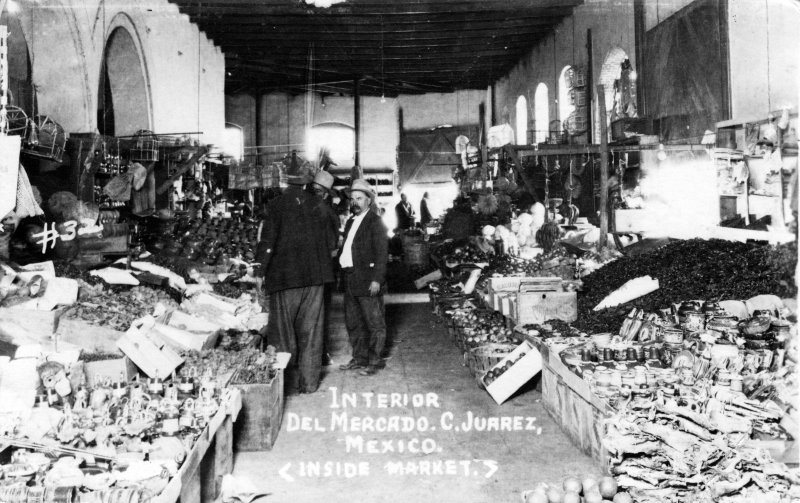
{"type": "Point", "coordinates": [575, 490]}
{"type": "Point", "coordinates": [693, 269]}
{"type": "Point", "coordinates": [242, 313]}
{"type": "Point", "coordinates": [695, 447]}
{"type": "Point", "coordinates": [101, 307]}
{"type": "Point", "coordinates": [213, 242]}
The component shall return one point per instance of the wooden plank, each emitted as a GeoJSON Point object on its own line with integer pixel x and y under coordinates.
{"type": "Point", "coordinates": [39, 323]}
{"type": "Point", "coordinates": [91, 338]}
{"type": "Point", "coordinates": [262, 414]}
{"type": "Point", "coordinates": [603, 241]}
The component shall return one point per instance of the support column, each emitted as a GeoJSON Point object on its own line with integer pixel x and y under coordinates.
{"type": "Point", "coordinates": [603, 169]}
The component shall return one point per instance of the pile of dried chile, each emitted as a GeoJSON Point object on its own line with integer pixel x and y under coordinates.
{"type": "Point", "coordinates": [691, 269]}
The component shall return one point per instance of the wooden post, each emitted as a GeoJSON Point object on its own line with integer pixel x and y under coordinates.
{"type": "Point", "coordinates": [357, 119]}
{"type": "Point", "coordinates": [601, 93]}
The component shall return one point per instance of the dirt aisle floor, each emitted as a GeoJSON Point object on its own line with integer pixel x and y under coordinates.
{"type": "Point", "coordinates": [340, 444]}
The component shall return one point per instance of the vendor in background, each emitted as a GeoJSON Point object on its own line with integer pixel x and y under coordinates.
{"type": "Point", "coordinates": [424, 212]}
{"type": "Point", "coordinates": [405, 213]}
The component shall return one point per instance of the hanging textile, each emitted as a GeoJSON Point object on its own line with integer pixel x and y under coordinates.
{"type": "Point", "coordinates": [9, 161]}
{"type": "Point", "coordinates": [26, 200]}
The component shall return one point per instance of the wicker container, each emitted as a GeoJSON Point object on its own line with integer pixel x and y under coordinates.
{"type": "Point", "coordinates": [577, 97]}
{"type": "Point", "coordinates": [416, 252]}
{"type": "Point", "coordinates": [482, 358]}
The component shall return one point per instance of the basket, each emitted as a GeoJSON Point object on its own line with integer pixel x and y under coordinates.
{"type": "Point", "coordinates": [577, 97]}
{"type": "Point", "coordinates": [46, 139]}
{"type": "Point", "coordinates": [415, 252]}
{"type": "Point", "coordinates": [145, 147]}
{"type": "Point", "coordinates": [482, 358]}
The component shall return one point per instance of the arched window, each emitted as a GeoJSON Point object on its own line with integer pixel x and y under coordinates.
{"type": "Point", "coordinates": [565, 107]}
{"type": "Point", "coordinates": [541, 113]}
{"type": "Point", "coordinates": [338, 138]}
{"type": "Point", "coordinates": [522, 120]}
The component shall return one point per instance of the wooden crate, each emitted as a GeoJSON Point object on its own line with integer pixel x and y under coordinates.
{"type": "Point", "coordinates": [578, 418]}
{"type": "Point", "coordinates": [262, 413]}
{"type": "Point", "coordinates": [538, 307]}
{"type": "Point", "coordinates": [99, 371]}
{"type": "Point", "coordinates": [91, 338]}
{"type": "Point", "coordinates": [39, 323]}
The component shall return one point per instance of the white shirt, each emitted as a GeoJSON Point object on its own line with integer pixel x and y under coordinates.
{"type": "Point", "coordinates": [346, 258]}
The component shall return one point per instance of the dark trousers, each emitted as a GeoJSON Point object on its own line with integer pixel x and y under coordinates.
{"type": "Point", "coordinates": [296, 322]}
{"type": "Point", "coordinates": [366, 326]}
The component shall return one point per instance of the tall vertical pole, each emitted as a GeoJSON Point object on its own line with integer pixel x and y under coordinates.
{"type": "Point", "coordinates": [601, 93]}
{"type": "Point", "coordinates": [357, 120]}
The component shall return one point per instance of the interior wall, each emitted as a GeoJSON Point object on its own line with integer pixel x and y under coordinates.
{"type": "Point", "coordinates": [612, 26]}
{"type": "Point", "coordinates": [240, 109]}
{"type": "Point", "coordinates": [184, 71]}
{"type": "Point", "coordinates": [284, 121]}
{"type": "Point", "coordinates": [763, 56]}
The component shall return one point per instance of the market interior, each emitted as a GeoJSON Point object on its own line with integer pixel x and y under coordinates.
{"type": "Point", "coordinates": [456, 250]}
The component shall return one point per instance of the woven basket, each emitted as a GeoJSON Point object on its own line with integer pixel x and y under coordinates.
{"type": "Point", "coordinates": [482, 358]}
{"type": "Point", "coordinates": [416, 253]}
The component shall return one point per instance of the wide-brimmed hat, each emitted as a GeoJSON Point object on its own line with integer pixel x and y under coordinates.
{"type": "Point", "coordinates": [362, 185]}
{"type": "Point", "coordinates": [324, 180]}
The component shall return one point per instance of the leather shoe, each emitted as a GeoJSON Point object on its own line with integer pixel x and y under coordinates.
{"type": "Point", "coordinates": [369, 371]}
{"type": "Point", "coordinates": [352, 365]}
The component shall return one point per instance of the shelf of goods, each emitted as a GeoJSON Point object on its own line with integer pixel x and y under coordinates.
{"type": "Point", "coordinates": [125, 395]}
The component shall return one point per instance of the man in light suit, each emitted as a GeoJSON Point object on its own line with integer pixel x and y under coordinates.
{"type": "Point", "coordinates": [363, 258]}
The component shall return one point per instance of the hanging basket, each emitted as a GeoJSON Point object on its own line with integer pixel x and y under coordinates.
{"type": "Point", "coordinates": [577, 97]}
{"type": "Point", "coordinates": [145, 146]}
{"type": "Point", "coordinates": [45, 139]}
{"type": "Point", "coordinates": [18, 122]}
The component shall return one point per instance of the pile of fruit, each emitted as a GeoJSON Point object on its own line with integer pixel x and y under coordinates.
{"type": "Point", "coordinates": [552, 328]}
{"type": "Point", "coordinates": [488, 332]}
{"type": "Point", "coordinates": [493, 373]}
{"type": "Point", "coordinates": [574, 490]}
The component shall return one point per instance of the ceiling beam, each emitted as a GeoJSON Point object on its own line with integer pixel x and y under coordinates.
{"type": "Point", "coordinates": [243, 7]}
{"type": "Point", "coordinates": [372, 19]}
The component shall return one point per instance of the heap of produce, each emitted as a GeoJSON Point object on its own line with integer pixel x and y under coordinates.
{"type": "Point", "coordinates": [691, 269]}
{"type": "Point", "coordinates": [479, 326]}
{"type": "Point", "coordinates": [454, 253]}
{"type": "Point", "coordinates": [212, 242]}
{"type": "Point", "coordinates": [575, 490]}
{"type": "Point", "coordinates": [101, 307]}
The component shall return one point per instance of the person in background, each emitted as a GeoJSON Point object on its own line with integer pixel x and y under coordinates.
{"type": "Point", "coordinates": [295, 252]}
{"type": "Point", "coordinates": [405, 213]}
{"type": "Point", "coordinates": [363, 258]}
{"type": "Point", "coordinates": [424, 212]}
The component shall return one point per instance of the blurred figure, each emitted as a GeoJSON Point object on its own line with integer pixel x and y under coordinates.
{"type": "Point", "coordinates": [424, 212]}
{"type": "Point", "coordinates": [405, 213]}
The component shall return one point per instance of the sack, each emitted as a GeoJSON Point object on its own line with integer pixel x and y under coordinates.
{"type": "Point", "coordinates": [119, 187]}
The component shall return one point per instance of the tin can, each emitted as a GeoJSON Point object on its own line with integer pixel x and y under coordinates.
{"type": "Point", "coordinates": [632, 354]}
{"type": "Point", "coordinates": [608, 354]}
{"type": "Point", "coordinates": [736, 383]}
{"type": "Point", "coordinates": [620, 355]}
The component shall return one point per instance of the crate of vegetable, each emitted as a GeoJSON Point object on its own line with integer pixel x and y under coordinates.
{"type": "Point", "coordinates": [261, 383]}
{"type": "Point", "coordinates": [482, 358]}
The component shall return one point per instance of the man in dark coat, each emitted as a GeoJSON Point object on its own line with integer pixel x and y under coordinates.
{"type": "Point", "coordinates": [295, 256]}
{"type": "Point", "coordinates": [363, 258]}
{"type": "Point", "coordinates": [405, 213]}
{"type": "Point", "coordinates": [424, 212]}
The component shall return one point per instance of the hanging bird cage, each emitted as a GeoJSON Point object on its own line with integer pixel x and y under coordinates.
{"type": "Point", "coordinates": [18, 122]}
{"type": "Point", "coordinates": [145, 146]}
{"type": "Point", "coordinates": [45, 139]}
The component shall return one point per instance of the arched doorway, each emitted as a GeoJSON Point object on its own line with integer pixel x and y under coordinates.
{"type": "Point", "coordinates": [522, 120]}
{"type": "Point", "coordinates": [609, 74]}
{"type": "Point", "coordinates": [541, 113]}
{"type": "Point", "coordinates": [123, 98]}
